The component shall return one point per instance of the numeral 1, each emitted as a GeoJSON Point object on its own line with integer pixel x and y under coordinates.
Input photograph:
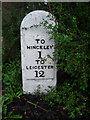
{"type": "Point", "coordinates": [39, 54]}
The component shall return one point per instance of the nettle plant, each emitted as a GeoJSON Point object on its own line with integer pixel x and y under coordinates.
{"type": "Point", "coordinates": [71, 57]}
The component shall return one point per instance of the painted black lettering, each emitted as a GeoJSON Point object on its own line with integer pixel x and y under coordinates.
{"type": "Point", "coordinates": [39, 54]}
{"type": "Point", "coordinates": [38, 67]}
{"type": "Point", "coordinates": [35, 67]}
{"type": "Point", "coordinates": [40, 47]}
{"type": "Point", "coordinates": [39, 74]}
{"type": "Point", "coordinates": [42, 41]}
{"type": "Point", "coordinates": [30, 67]}
{"type": "Point", "coordinates": [37, 61]}
{"type": "Point", "coordinates": [34, 47]}
{"type": "Point", "coordinates": [52, 67]}
{"type": "Point", "coordinates": [51, 47]}
{"type": "Point", "coordinates": [36, 73]}
{"type": "Point", "coordinates": [37, 47]}
{"type": "Point", "coordinates": [27, 67]}
{"type": "Point", "coordinates": [28, 47]}
{"type": "Point", "coordinates": [37, 40]}
{"type": "Point", "coordinates": [42, 61]}
{"type": "Point", "coordinates": [45, 66]}
{"type": "Point", "coordinates": [42, 67]}
{"type": "Point", "coordinates": [47, 47]}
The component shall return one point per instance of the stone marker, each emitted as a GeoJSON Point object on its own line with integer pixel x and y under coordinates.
{"type": "Point", "coordinates": [38, 70]}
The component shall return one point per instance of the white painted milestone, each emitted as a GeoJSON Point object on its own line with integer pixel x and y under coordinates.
{"type": "Point", "coordinates": [38, 70]}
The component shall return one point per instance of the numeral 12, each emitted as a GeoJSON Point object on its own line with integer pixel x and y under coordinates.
{"type": "Point", "coordinates": [39, 74]}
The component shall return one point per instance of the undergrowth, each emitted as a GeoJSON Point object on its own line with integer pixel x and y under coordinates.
{"type": "Point", "coordinates": [70, 99]}
{"type": "Point", "coordinates": [12, 86]}
{"type": "Point", "coordinates": [72, 56]}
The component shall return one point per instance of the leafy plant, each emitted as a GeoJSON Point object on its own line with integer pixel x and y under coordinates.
{"type": "Point", "coordinates": [12, 82]}
{"type": "Point", "coordinates": [10, 115]}
{"type": "Point", "coordinates": [72, 100]}
{"type": "Point", "coordinates": [70, 54]}
{"type": "Point", "coordinates": [71, 36]}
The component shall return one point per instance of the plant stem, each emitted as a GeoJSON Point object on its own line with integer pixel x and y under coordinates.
{"type": "Point", "coordinates": [37, 105]}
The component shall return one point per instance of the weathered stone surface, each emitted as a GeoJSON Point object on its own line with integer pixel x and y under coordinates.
{"type": "Point", "coordinates": [38, 71]}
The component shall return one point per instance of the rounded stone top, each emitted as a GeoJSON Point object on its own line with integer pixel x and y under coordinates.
{"type": "Point", "coordinates": [35, 18]}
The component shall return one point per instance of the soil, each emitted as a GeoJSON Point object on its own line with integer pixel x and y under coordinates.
{"type": "Point", "coordinates": [33, 107]}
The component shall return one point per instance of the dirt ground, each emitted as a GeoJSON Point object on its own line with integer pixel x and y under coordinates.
{"type": "Point", "coordinates": [33, 107]}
